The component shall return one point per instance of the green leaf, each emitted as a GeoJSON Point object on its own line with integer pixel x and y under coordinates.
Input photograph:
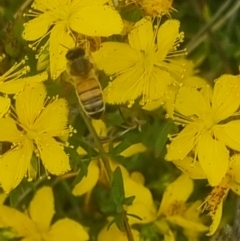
{"type": "Point", "coordinates": [128, 200]}
{"type": "Point", "coordinates": [119, 221]}
{"type": "Point", "coordinates": [82, 173]}
{"type": "Point", "coordinates": [134, 216]}
{"type": "Point", "coordinates": [117, 190]}
{"type": "Point", "coordinates": [167, 127]}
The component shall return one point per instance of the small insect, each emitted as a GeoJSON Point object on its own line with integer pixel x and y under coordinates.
{"type": "Point", "coordinates": [82, 71]}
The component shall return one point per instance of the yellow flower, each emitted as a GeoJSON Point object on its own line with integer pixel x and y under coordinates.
{"type": "Point", "coordinates": [142, 67]}
{"type": "Point", "coordinates": [156, 7]}
{"type": "Point", "coordinates": [113, 233]}
{"type": "Point", "coordinates": [190, 167]}
{"type": "Point", "coordinates": [37, 225]}
{"type": "Point", "coordinates": [175, 196]}
{"type": "Point", "coordinates": [189, 79]}
{"type": "Point", "coordinates": [4, 105]}
{"type": "Point", "coordinates": [214, 202]}
{"type": "Point", "coordinates": [143, 205]}
{"type": "Point", "coordinates": [32, 129]}
{"type": "Point", "coordinates": [175, 210]}
{"type": "Point", "coordinates": [133, 149]}
{"type": "Point", "coordinates": [89, 181]}
{"type": "Point", "coordinates": [11, 82]}
{"type": "Point", "coordinates": [207, 128]}
{"type": "Point", "coordinates": [60, 18]}
{"type": "Point", "coordinates": [3, 197]}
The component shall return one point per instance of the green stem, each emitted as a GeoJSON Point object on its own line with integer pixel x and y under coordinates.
{"type": "Point", "coordinates": [97, 141]}
{"type": "Point", "coordinates": [104, 158]}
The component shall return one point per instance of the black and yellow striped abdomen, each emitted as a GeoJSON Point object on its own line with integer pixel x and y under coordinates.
{"type": "Point", "coordinates": [90, 97]}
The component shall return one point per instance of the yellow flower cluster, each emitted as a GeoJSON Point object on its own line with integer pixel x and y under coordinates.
{"type": "Point", "coordinates": [31, 128]}
{"type": "Point", "coordinates": [146, 68]}
{"type": "Point", "coordinates": [36, 225]}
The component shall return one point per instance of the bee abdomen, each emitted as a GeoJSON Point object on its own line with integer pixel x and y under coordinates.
{"type": "Point", "coordinates": [91, 98]}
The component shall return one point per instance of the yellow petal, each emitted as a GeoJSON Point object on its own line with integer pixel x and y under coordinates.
{"type": "Point", "coordinates": [169, 99]}
{"type": "Point", "coordinates": [143, 205]}
{"type": "Point", "coordinates": [67, 229]}
{"type": "Point", "coordinates": [197, 106]}
{"type": "Point", "coordinates": [187, 224]}
{"type": "Point", "coordinates": [81, 151]}
{"type": "Point", "coordinates": [15, 86]}
{"type": "Point", "coordinates": [59, 43]}
{"type": "Point", "coordinates": [13, 134]}
{"type": "Point", "coordinates": [46, 5]}
{"type": "Point", "coordinates": [88, 182]}
{"type": "Point", "coordinates": [96, 20]}
{"type": "Point", "coordinates": [213, 158]}
{"type": "Point", "coordinates": [19, 222]}
{"type": "Point", "coordinates": [32, 238]}
{"type": "Point", "coordinates": [153, 105]}
{"type": "Point", "coordinates": [235, 168]}
{"type": "Point", "coordinates": [193, 211]}
{"type": "Point", "coordinates": [43, 61]}
{"type": "Point", "coordinates": [41, 208]}
{"type": "Point", "coordinates": [46, 122]}
{"type": "Point", "coordinates": [141, 37]}
{"type": "Point", "coordinates": [30, 103]}
{"type": "Point", "coordinates": [235, 187]}
{"type": "Point", "coordinates": [133, 149]}
{"type": "Point", "coordinates": [113, 233]}
{"type": "Point", "coordinates": [38, 27]}
{"type": "Point", "coordinates": [164, 229]}
{"type": "Point", "coordinates": [225, 100]}
{"type": "Point", "coordinates": [76, 4]}
{"type": "Point", "coordinates": [216, 219]}
{"type": "Point", "coordinates": [126, 87]}
{"type": "Point", "coordinates": [100, 127]}
{"type": "Point", "coordinates": [155, 85]}
{"type": "Point", "coordinates": [146, 213]}
{"type": "Point", "coordinates": [228, 134]}
{"type": "Point", "coordinates": [194, 81]}
{"type": "Point", "coordinates": [138, 177]}
{"type": "Point", "coordinates": [54, 159]}
{"type": "Point", "coordinates": [127, 27]}
{"type": "Point", "coordinates": [4, 105]}
{"type": "Point", "coordinates": [114, 57]}
{"type": "Point", "coordinates": [114, 165]}
{"type": "Point", "coordinates": [183, 143]}
{"type": "Point", "coordinates": [141, 193]}
{"type": "Point", "coordinates": [14, 165]}
{"type": "Point", "coordinates": [3, 197]}
{"type": "Point", "coordinates": [167, 35]}
{"type": "Point", "coordinates": [190, 167]}
{"type": "Point", "coordinates": [176, 194]}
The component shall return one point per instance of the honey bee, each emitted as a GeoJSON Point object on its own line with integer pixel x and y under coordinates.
{"type": "Point", "coordinates": [82, 71]}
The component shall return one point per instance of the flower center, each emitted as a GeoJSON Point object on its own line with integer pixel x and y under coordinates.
{"type": "Point", "coordinates": [31, 134]}
{"type": "Point", "coordinates": [209, 121]}
{"type": "Point", "coordinates": [148, 61]}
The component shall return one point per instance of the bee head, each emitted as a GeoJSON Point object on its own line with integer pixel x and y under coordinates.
{"type": "Point", "coordinates": [75, 53]}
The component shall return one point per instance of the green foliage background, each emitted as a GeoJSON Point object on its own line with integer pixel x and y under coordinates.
{"type": "Point", "coordinates": [212, 37]}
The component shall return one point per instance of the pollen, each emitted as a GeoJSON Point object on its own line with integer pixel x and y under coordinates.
{"type": "Point", "coordinates": [157, 7]}
{"type": "Point", "coordinates": [217, 195]}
